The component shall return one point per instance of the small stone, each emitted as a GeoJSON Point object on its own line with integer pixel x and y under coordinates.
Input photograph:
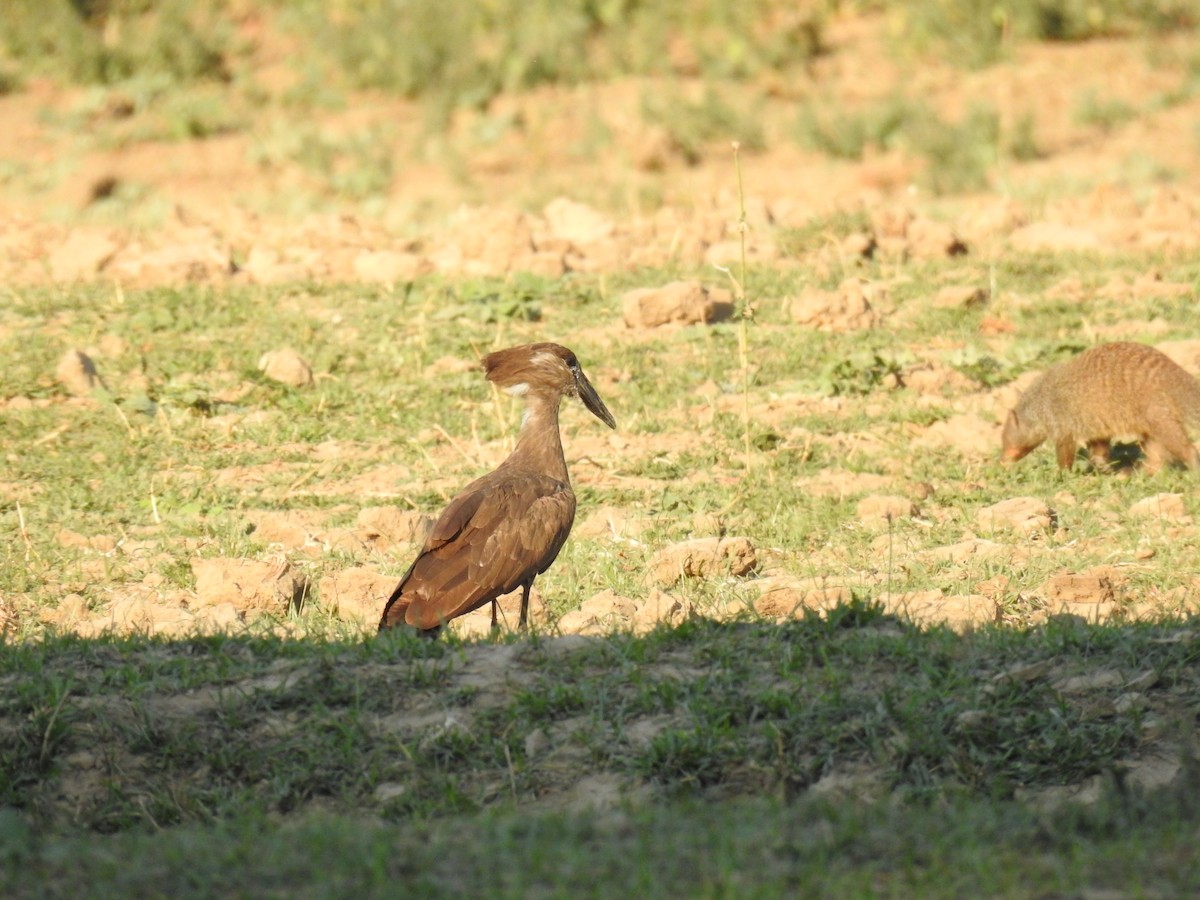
{"type": "Point", "coordinates": [1130, 702]}
{"type": "Point", "coordinates": [250, 585]}
{"type": "Point", "coordinates": [1092, 681]}
{"type": "Point", "coordinates": [880, 508]}
{"type": "Point", "coordinates": [72, 609]}
{"type": "Point", "coordinates": [77, 373]}
{"type": "Point", "coordinates": [702, 558]}
{"type": "Point", "coordinates": [928, 239]}
{"type": "Point", "coordinates": [356, 595]}
{"type": "Point", "coordinates": [1040, 236]}
{"type": "Point", "coordinates": [287, 367]}
{"type": "Point", "coordinates": [680, 302]}
{"type": "Point", "coordinates": [854, 306]}
{"type": "Point", "coordinates": [661, 608]}
{"type": "Point", "coordinates": [219, 617]}
{"type": "Point", "coordinates": [1160, 506]}
{"type": "Point", "coordinates": [1024, 672]}
{"type": "Point", "coordinates": [960, 297]}
{"type": "Point", "coordinates": [81, 256]}
{"type": "Point", "coordinates": [971, 720]}
{"type": "Point", "coordinates": [389, 266]}
{"type": "Point", "coordinates": [613, 523]}
{"type": "Point", "coordinates": [576, 222]}
{"type": "Point", "coordinates": [1022, 514]}
{"type": "Point", "coordinates": [383, 526]}
{"type": "Point", "coordinates": [389, 790]}
{"type": "Point", "coordinates": [536, 743]}
{"type": "Point", "coordinates": [1096, 585]}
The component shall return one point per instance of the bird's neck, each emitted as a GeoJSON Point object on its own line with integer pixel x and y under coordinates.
{"type": "Point", "coordinates": [539, 445]}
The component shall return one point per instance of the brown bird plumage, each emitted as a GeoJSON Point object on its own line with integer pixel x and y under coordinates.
{"type": "Point", "coordinates": [507, 527]}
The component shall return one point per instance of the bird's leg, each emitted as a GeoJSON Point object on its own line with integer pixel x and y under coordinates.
{"type": "Point", "coordinates": [495, 624]}
{"type": "Point", "coordinates": [525, 604]}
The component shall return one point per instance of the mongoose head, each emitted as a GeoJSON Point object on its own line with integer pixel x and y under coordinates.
{"type": "Point", "coordinates": [1015, 440]}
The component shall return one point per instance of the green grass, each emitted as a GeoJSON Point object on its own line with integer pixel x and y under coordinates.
{"type": "Point", "coordinates": [977, 33]}
{"type": "Point", "coordinates": [850, 754]}
{"type": "Point", "coordinates": [263, 756]}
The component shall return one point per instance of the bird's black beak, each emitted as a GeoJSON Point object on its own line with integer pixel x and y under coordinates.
{"type": "Point", "coordinates": [592, 400]}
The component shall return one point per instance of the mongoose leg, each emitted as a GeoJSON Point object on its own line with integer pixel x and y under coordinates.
{"type": "Point", "coordinates": [1098, 453]}
{"type": "Point", "coordinates": [1156, 455]}
{"type": "Point", "coordinates": [1065, 450]}
{"type": "Point", "coordinates": [1165, 440]}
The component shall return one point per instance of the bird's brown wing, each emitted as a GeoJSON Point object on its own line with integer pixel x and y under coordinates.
{"type": "Point", "coordinates": [495, 536]}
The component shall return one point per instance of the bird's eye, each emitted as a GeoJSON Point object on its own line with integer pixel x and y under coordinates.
{"type": "Point", "coordinates": [572, 362]}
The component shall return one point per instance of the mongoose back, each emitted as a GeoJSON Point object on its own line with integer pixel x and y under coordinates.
{"type": "Point", "coordinates": [1111, 391]}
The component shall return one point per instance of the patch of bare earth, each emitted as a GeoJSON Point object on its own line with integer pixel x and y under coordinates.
{"type": "Point", "coordinates": [218, 227]}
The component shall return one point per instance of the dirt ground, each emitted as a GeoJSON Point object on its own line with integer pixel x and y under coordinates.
{"type": "Point", "coordinates": [518, 187]}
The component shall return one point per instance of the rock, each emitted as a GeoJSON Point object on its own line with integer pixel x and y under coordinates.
{"type": "Point", "coordinates": [601, 613]}
{"type": "Point", "coordinates": [72, 610]}
{"type": "Point", "coordinates": [77, 373]}
{"type": "Point", "coordinates": [576, 222]}
{"type": "Point", "coordinates": [728, 254]}
{"type": "Point", "coordinates": [250, 585]}
{"type": "Point", "coordinates": [195, 258]}
{"type": "Point", "coordinates": [1161, 506]}
{"type": "Point", "coordinates": [263, 265]}
{"type": "Point", "coordinates": [1050, 236]}
{"type": "Point", "coordinates": [1100, 680]}
{"type": "Point", "coordinates": [478, 623]}
{"type": "Point", "coordinates": [960, 297]}
{"type": "Point", "coordinates": [389, 266]}
{"type": "Point", "coordinates": [785, 596]}
{"type": "Point", "coordinates": [1023, 673]}
{"type": "Point", "coordinates": [73, 540]}
{"type": "Point", "coordinates": [383, 526]}
{"type": "Point", "coordinates": [82, 255]}
{"type": "Point", "coordinates": [712, 557]}
{"type": "Point", "coordinates": [961, 551]}
{"type": "Point", "coordinates": [928, 239]}
{"type": "Point", "coordinates": [1096, 585]}
{"type": "Point", "coordinates": [536, 743]}
{"type": "Point", "coordinates": [661, 608]}
{"type": "Point", "coordinates": [486, 241]}
{"type": "Point", "coordinates": [613, 523]}
{"type": "Point", "coordinates": [681, 302]}
{"type": "Point", "coordinates": [881, 508]}
{"type": "Point", "coordinates": [219, 617]}
{"type": "Point", "coordinates": [389, 790]}
{"type": "Point", "coordinates": [939, 380]}
{"type": "Point", "coordinates": [290, 530]}
{"type": "Point", "coordinates": [356, 595]}
{"type": "Point", "coordinates": [859, 245]}
{"type": "Point", "coordinates": [547, 264]}
{"type": "Point", "coordinates": [965, 432]}
{"type": "Point", "coordinates": [852, 307]}
{"type": "Point", "coordinates": [1021, 514]}
{"type": "Point", "coordinates": [287, 367]}
{"type": "Point", "coordinates": [139, 614]}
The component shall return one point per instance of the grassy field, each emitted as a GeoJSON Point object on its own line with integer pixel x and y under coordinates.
{"type": "Point", "coordinates": [854, 753]}
{"type": "Point", "coordinates": [951, 700]}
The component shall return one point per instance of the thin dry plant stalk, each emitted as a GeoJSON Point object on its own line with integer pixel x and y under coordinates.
{"type": "Point", "coordinates": [746, 310]}
{"type": "Point", "coordinates": [24, 530]}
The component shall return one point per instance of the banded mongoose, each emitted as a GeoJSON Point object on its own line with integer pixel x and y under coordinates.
{"type": "Point", "coordinates": [1120, 390]}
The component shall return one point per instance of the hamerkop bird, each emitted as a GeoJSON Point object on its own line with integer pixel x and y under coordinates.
{"type": "Point", "coordinates": [507, 527]}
